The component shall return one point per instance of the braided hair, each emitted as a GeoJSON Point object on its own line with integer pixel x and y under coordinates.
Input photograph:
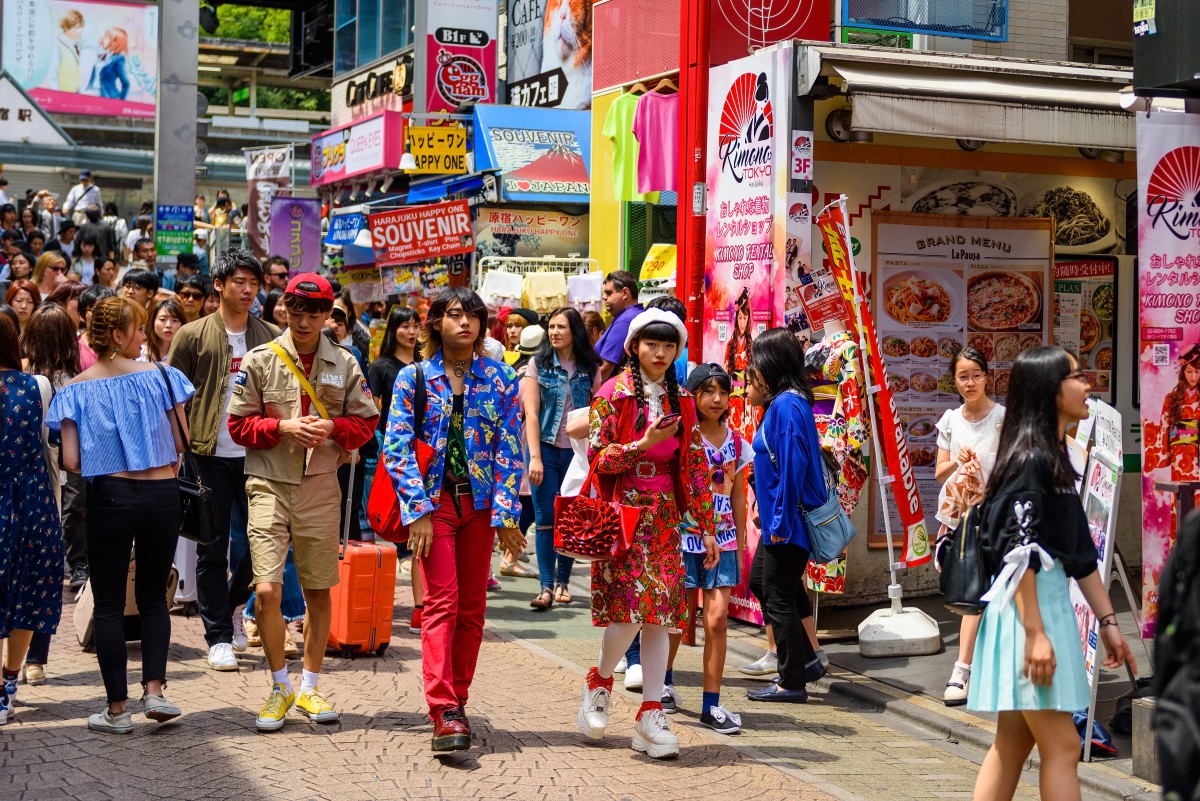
{"type": "Point", "coordinates": [113, 314]}
{"type": "Point", "coordinates": [654, 332]}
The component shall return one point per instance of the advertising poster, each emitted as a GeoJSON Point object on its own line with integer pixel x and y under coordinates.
{"type": "Point", "coordinates": [268, 170]}
{"type": "Point", "coordinates": [1169, 352]}
{"type": "Point", "coordinates": [515, 231]}
{"type": "Point", "coordinates": [940, 285]}
{"type": "Point", "coordinates": [1084, 317]}
{"type": "Point", "coordinates": [173, 231]}
{"type": "Point", "coordinates": [296, 232]}
{"type": "Point", "coordinates": [460, 54]}
{"type": "Point", "coordinates": [83, 56]}
{"type": "Point", "coordinates": [361, 147]}
{"type": "Point", "coordinates": [745, 231]}
{"type": "Point", "coordinates": [550, 53]}
{"type": "Point", "coordinates": [543, 155]}
{"type": "Point", "coordinates": [421, 232]}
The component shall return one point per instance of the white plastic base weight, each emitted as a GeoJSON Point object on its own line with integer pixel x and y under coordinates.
{"type": "Point", "coordinates": [907, 632]}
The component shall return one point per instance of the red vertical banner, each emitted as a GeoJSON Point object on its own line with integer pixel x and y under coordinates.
{"type": "Point", "coordinates": [915, 533]}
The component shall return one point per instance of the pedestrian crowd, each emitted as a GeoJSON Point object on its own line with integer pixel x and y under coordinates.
{"type": "Point", "coordinates": [485, 421]}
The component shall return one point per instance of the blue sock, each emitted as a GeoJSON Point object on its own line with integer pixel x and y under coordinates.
{"type": "Point", "coordinates": [710, 700]}
{"type": "Point", "coordinates": [670, 677]}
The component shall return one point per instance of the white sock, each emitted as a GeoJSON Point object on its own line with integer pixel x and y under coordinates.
{"type": "Point", "coordinates": [613, 645]}
{"type": "Point", "coordinates": [821, 655]}
{"type": "Point", "coordinates": [309, 680]}
{"type": "Point", "coordinates": [962, 666]}
{"type": "Point", "coordinates": [656, 651]}
{"type": "Point", "coordinates": [281, 677]}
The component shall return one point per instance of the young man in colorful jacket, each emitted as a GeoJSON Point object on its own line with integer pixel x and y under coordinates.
{"type": "Point", "coordinates": [301, 407]}
{"type": "Point", "coordinates": [469, 489]}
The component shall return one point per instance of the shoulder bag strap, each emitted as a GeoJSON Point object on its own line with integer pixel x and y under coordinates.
{"type": "Point", "coordinates": [187, 446]}
{"type": "Point", "coordinates": [304, 382]}
{"type": "Point", "coordinates": [420, 399]}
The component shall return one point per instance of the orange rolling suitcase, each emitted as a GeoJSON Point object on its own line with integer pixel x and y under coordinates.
{"type": "Point", "coordinates": [365, 595]}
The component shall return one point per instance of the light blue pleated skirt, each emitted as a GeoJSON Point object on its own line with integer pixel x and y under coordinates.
{"type": "Point", "coordinates": [997, 683]}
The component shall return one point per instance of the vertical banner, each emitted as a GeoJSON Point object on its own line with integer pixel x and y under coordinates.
{"type": "Point", "coordinates": [745, 232]}
{"type": "Point", "coordinates": [915, 549]}
{"type": "Point", "coordinates": [460, 58]}
{"type": "Point", "coordinates": [296, 232]}
{"type": "Point", "coordinates": [268, 171]}
{"type": "Point", "coordinates": [1168, 150]}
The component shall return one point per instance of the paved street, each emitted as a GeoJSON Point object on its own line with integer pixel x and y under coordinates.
{"type": "Point", "coordinates": [522, 709]}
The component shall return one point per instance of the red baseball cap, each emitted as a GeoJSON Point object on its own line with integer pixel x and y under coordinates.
{"type": "Point", "coordinates": [309, 285]}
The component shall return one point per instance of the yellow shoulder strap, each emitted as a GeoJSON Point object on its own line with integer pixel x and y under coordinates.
{"type": "Point", "coordinates": [304, 382]}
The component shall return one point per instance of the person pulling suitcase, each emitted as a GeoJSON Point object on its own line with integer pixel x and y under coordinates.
{"type": "Point", "coordinates": [300, 407]}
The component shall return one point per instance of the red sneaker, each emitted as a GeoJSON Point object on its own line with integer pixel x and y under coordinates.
{"type": "Point", "coordinates": [450, 731]}
{"type": "Point", "coordinates": [414, 624]}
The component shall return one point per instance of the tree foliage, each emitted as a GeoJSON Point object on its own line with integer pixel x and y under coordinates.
{"type": "Point", "coordinates": [256, 24]}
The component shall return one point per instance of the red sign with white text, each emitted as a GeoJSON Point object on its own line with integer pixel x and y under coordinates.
{"type": "Point", "coordinates": [421, 232]}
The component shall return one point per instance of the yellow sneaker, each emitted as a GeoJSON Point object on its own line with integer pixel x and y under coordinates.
{"type": "Point", "coordinates": [313, 706]}
{"type": "Point", "coordinates": [270, 717]}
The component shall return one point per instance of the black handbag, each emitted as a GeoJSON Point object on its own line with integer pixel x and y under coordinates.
{"type": "Point", "coordinates": [197, 519]}
{"type": "Point", "coordinates": [964, 580]}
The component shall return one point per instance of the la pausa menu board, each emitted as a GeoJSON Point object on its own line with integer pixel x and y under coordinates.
{"type": "Point", "coordinates": [1084, 317]}
{"type": "Point", "coordinates": [943, 284]}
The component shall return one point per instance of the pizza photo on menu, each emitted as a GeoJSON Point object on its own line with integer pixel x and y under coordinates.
{"type": "Point", "coordinates": [1002, 301]}
{"type": "Point", "coordinates": [974, 198]}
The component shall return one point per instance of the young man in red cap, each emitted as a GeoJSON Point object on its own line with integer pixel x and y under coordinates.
{"type": "Point", "coordinates": [300, 407]}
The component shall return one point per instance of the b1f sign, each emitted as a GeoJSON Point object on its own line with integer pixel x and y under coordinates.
{"type": "Point", "coordinates": [421, 232]}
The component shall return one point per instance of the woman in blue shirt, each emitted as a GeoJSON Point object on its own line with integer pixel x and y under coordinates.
{"type": "Point", "coordinates": [788, 475]}
{"type": "Point", "coordinates": [133, 501]}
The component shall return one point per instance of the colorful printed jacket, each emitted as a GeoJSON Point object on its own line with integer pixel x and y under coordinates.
{"type": "Point", "coordinates": [490, 430]}
{"type": "Point", "coordinates": [613, 451]}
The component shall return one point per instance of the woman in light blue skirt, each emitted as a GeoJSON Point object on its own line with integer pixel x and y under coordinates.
{"type": "Point", "coordinates": [1028, 663]}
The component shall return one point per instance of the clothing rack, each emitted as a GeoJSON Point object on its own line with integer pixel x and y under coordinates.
{"type": "Point", "coordinates": [524, 265]}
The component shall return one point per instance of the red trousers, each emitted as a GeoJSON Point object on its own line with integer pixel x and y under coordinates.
{"type": "Point", "coordinates": [455, 574]}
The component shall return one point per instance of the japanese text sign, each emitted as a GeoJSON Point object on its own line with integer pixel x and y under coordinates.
{"type": "Point", "coordinates": [438, 149]}
{"type": "Point", "coordinates": [421, 232]}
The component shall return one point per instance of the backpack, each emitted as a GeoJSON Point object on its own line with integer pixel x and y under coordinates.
{"type": "Point", "coordinates": [1177, 668]}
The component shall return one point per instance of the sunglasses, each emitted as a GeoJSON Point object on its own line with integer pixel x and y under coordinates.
{"type": "Point", "coordinates": [191, 295]}
{"type": "Point", "coordinates": [278, 275]}
{"type": "Point", "coordinates": [57, 268]}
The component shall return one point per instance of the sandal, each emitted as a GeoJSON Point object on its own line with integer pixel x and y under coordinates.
{"type": "Point", "coordinates": [561, 595]}
{"type": "Point", "coordinates": [544, 599]}
{"type": "Point", "coordinates": [515, 570]}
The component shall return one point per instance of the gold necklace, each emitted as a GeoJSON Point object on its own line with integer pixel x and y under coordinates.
{"type": "Point", "coordinates": [460, 367]}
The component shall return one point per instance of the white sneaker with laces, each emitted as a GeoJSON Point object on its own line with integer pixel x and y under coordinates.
{"type": "Point", "coordinates": [240, 641]}
{"type": "Point", "coordinates": [956, 688]}
{"type": "Point", "coordinates": [620, 668]}
{"type": "Point", "coordinates": [767, 665]}
{"type": "Point", "coordinates": [633, 677]}
{"type": "Point", "coordinates": [593, 712]}
{"type": "Point", "coordinates": [653, 735]}
{"type": "Point", "coordinates": [220, 657]}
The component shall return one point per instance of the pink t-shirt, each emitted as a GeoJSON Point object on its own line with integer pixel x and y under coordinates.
{"type": "Point", "coordinates": [656, 126]}
{"type": "Point", "coordinates": [87, 356]}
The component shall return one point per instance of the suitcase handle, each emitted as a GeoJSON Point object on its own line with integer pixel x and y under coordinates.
{"type": "Point", "coordinates": [344, 536]}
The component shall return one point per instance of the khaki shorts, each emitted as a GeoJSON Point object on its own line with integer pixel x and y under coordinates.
{"type": "Point", "coordinates": [307, 515]}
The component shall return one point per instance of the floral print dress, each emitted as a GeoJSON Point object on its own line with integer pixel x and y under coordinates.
{"type": "Point", "coordinates": [646, 585]}
{"type": "Point", "coordinates": [31, 557]}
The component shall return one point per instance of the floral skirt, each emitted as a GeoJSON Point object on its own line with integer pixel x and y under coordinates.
{"type": "Point", "coordinates": [646, 585]}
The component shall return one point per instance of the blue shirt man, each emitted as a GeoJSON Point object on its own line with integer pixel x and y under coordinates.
{"type": "Point", "coordinates": [620, 298]}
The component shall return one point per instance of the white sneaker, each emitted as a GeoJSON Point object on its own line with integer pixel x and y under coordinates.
{"type": "Point", "coordinates": [652, 734]}
{"type": "Point", "coordinates": [670, 699]}
{"type": "Point", "coordinates": [633, 677]}
{"type": "Point", "coordinates": [593, 712]}
{"type": "Point", "coordinates": [111, 724]}
{"type": "Point", "coordinates": [956, 688]}
{"type": "Point", "coordinates": [767, 665]}
{"type": "Point", "coordinates": [240, 641]}
{"type": "Point", "coordinates": [220, 657]}
{"type": "Point", "coordinates": [620, 668]}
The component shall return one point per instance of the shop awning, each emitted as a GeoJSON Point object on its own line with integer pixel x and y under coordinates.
{"type": "Point", "coordinates": [977, 97]}
{"type": "Point", "coordinates": [542, 155]}
{"type": "Point", "coordinates": [428, 191]}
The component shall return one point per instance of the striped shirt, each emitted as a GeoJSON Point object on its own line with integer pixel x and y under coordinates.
{"type": "Point", "coordinates": [124, 422]}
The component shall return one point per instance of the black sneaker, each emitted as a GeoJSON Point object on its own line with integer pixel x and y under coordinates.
{"type": "Point", "coordinates": [721, 720]}
{"type": "Point", "coordinates": [79, 576]}
{"type": "Point", "coordinates": [670, 699]}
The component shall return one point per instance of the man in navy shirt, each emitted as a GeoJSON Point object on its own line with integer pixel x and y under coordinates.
{"type": "Point", "coordinates": [620, 298]}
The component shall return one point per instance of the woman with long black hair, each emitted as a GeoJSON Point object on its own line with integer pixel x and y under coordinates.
{"type": "Point", "coordinates": [559, 379]}
{"type": "Point", "coordinates": [1035, 529]}
{"type": "Point", "coordinates": [789, 477]}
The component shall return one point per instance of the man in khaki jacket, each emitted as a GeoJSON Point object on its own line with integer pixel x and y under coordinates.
{"type": "Point", "coordinates": [301, 407]}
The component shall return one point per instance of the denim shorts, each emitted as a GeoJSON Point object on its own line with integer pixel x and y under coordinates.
{"type": "Point", "coordinates": [727, 573]}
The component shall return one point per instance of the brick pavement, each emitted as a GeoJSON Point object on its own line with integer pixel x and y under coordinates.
{"type": "Point", "coordinates": [522, 710]}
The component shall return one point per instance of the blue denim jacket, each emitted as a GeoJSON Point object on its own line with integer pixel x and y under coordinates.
{"type": "Point", "coordinates": [489, 429]}
{"type": "Point", "coordinates": [552, 379]}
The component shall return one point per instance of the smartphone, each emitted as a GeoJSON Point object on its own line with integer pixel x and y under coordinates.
{"type": "Point", "coordinates": [667, 421]}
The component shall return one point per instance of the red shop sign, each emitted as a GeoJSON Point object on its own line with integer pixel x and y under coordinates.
{"type": "Point", "coordinates": [421, 232]}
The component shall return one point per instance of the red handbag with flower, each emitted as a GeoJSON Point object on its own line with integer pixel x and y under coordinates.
{"type": "Point", "coordinates": [591, 529]}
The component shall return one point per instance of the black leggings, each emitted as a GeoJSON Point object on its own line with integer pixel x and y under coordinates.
{"type": "Point", "coordinates": [127, 515]}
{"type": "Point", "coordinates": [777, 581]}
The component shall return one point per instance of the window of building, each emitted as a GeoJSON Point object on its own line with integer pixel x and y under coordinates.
{"type": "Point", "coordinates": [367, 30]}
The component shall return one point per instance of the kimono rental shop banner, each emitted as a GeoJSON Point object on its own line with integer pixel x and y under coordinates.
{"type": "Point", "coordinates": [1169, 354]}
{"type": "Point", "coordinates": [745, 230]}
{"type": "Point", "coordinates": [82, 56]}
